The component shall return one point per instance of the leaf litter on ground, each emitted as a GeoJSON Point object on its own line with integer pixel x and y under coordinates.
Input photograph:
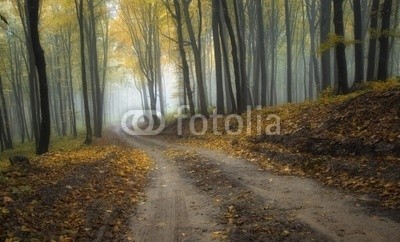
{"type": "Point", "coordinates": [83, 193]}
{"type": "Point", "coordinates": [350, 141]}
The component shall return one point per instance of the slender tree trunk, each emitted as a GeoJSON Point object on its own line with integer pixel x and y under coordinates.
{"type": "Point", "coordinates": [274, 38]}
{"type": "Point", "coordinates": [340, 48]}
{"type": "Point", "coordinates": [288, 52]}
{"type": "Point", "coordinates": [261, 51]}
{"type": "Point", "coordinates": [236, 64]}
{"type": "Point", "coordinates": [240, 29]}
{"type": "Point", "coordinates": [44, 139]}
{"type": "Point", "coordinates": [79, 10]}
{"type": "Point", "coordinates": [197, 59]}
{"type": "Point", "coordinates": [372, 41]}
{"type": "Point", "coordinates": [8, 138]}
{"type": "Point", "coordinates": [217, 56]}
{"type": "Point", "coordinates": [325, 27]}
{"type": "Point", "coordinates": [358, 48]}
{"type": "Point", "coordinates": [384, 41]}
{"type": "Point", "coordinates": [94, 58]}
{"type": "Point", "coordinates": [228, 79]}
{"type": "Point", "coordinates": [312, 11]}
{"type": "Point", "coordinates": [31, 66]}
{"type": "Point", "coordinates": [185, 66]}
{"type": "Point", "coordinates": [71, 85]}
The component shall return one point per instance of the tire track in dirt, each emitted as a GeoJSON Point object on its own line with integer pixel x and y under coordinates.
{"type": "Point", "coordinates": [300, 208]}
{"type": "Point", "coordinates": [172, 210]}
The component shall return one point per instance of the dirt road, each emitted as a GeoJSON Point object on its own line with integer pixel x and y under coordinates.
{"type": "Point", "coordinates": [197, 194]}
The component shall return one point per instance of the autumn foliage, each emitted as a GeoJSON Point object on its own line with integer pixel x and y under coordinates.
{"type": "Point", "coordinates": [81, 194]}
{"type": "Point", "coordinates": [350, 141]}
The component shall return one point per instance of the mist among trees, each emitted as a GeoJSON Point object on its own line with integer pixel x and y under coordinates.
{"type": "Point", "coordinates": [79, 65]}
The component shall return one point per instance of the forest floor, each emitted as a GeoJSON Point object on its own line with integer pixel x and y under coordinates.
{"type": "Point", "coordinates": [74, 192]}
{"type": "Point", "coordinates": [333, 174]}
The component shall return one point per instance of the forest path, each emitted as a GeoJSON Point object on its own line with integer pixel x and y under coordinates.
{"type": "Point", "coordinates": [200, 194]}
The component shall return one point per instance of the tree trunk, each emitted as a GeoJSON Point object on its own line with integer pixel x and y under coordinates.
{"type": "Point", "coordinates": [384, 41]}
{"type": "Point", "coordinates": [372, 41]}
{"type": "Point", "coordinates": [261, 51]}
{"type": "Point", "coordinates": [79, 11]}
{"type": "Point", "coordinates": [33, 81]}
{"type": "Point", "coordinates": [325, 27]}
{"type": "Point", "coordinates": [217, 56]}
{"type": "Point", "coordinates": [358, 48]}
{"type": "Point", "coordinates": [93, 57]}
{"type": "Point", "coordinates": [185, 66]}
{"type": "Point", "coordinates": [236, 64]}
{"type": "Point", "coordinates": [340, 47]}
{"type": "Point", "coordinates": [240, 30]}
{"type": "Point", "coordinates": [197, 59]}
{"type": "Point", "coordinates": [44, 139]}
{"type": "Point", "coordinates": [288, 52]}
{"type": "Point", "coordinates": [311, 12]}
{"type": "Point", "coordinates": [228, 79]}
{"type": "Point", "coordinates": [6, 128]}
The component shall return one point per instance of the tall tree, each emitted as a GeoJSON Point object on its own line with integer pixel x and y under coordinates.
{"type": "Point", "coordinates": [23, 13]}
{"type": "Point", "coordinates": [288, 52]}
{"type": "Point", "coordinates": [79, 11]}
{"type": "Point", "coordinates": [217, 57]}
{"type": "Point", "coordinates": [372, 41]}
{"type": "Point", "coordinates": [8, 144]}
{"type": "Point", "coordinates": [325, 28]}
{"type": "Point", "coordinates": [314, 65]}
{"type": "Point", "coordinates": [384, 41]}
{"type": "Point", "coordinates": [196, 48]}
{"type": "Point", "coordinates": [40, 62]}
{"type": "Point", "coordinates": [236, 64]}
{"type": "Point", "coordinates": [240, 30]}
{"type": "Point", "coordinates": [177, 15]}
{"type": "Point", "coordinates": [358, 49]}
{"type": "Point", "coordinates": [340, 48]}
{"type": "Point", "coordinates": [261, 50]}
{"type": "Point", "coordinates": [94, 70]}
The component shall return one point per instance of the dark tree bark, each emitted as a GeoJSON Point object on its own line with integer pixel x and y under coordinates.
{"type": "Point", "coordinates": [39, 59]}
{"type": "Point", "coordinates": [59, 86]}
{"type": "Point", "coordinates": [240, 30]}
{"type": "Point", "coordinates": [340, 48]}
{"type": "Point", "coordinates": [274, 35]}
{"type": "Point", "coordinates": [231, 105]}
{"type": "Point", "coordinates": [236, 64]}
{"type": "Point", "coordinates": [185, 67]}
{"type": "Point", "coordinates": [79, 12]}
{"type": "Point", "coordinates": [325, 26]}
{"type": "Point", "coordinates": [93, 58]}
{"type": "Point", "coordinates": [33, 78]}
{"type": "Point", "coordinates": [314, 65]}
{"type": "Point", "coordinates": [8, 144]}
{"type": "Point", "coordinates": [196, 47]}
{"type": "Point", "coordinates": [384, 41]}
{"type": "Point", "coordinates": [217, 57]}
{"type": "Point", "coordinates": [372, 42]}
{"type": "Point", "coordinates": [261, 50]}
{"type": "Point", "coordinates": [288, 52]}
{"type": "Point", "coordinates": [68, 60]}
{"type": "Point", "coordinates": [358, 49]}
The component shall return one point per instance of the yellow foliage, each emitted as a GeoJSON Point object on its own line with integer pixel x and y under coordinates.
{"type": "Point", "coordinates": [332, 41]}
